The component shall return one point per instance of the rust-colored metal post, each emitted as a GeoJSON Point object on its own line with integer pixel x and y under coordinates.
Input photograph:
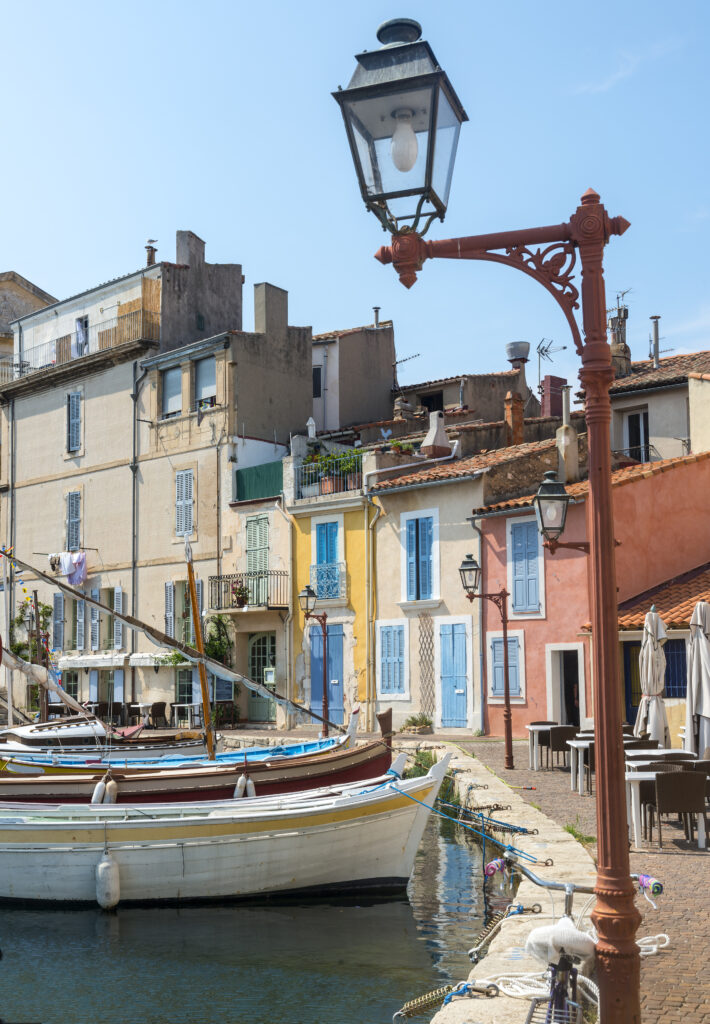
{"type": "Point", "coordinates": [615, 916]}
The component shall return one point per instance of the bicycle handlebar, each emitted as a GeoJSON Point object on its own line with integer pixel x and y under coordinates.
{"type": "Point", "coordinates": [646, 882]}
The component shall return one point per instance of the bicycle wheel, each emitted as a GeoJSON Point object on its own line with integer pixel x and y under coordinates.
{"type": "Point", "coordinates": [542, 1011]}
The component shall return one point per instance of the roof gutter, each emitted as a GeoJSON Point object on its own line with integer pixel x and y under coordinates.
{"type": "Point", "coordinates": [518, 510]}
{"type": "Point", "coordinates": [432, 483]}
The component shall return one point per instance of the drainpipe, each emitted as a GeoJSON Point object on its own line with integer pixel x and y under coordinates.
{"type": "Point", "coordinates": [371, 610]}
{"type": "Point", "coordinates": [288, 624]}
{"type": "Point", "coordinates": [481, 638]}
{"type": "Point", "coordinates": [137, 381]}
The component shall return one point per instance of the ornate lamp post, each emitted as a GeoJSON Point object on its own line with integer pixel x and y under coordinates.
{"type": "Point", "coordinates": [383, 94]}
{"type": "Point", "coordinates": [470, 572]}
{"type": "Point", "coordinates": [307, 600]}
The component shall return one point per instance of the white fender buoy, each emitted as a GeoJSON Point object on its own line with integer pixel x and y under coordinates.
{"type": "Point", "coordinates": [111, 793]}
{"type": "Point", "coordinates": [108, 885]}
{"type": "Point", "coordinates": [97, 797]}
{"type": "Point", "coordinates": [251, 788]}
{"type": "Point", "coordinates": [240, 787]}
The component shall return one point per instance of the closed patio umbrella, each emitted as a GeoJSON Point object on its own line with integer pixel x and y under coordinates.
{"type": "Point", "coordinates": [697, 703]}
{"type": "Point", "coordinates": [651, 715]}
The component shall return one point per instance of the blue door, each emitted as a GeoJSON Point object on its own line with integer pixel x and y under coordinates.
{"type": "Point", "coordinates": [334, 672]}
{"type": "Point", "coordinates": [453, 675]}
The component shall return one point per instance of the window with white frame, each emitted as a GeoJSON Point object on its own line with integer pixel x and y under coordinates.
{"type": "Point", "coordinates": [74, 421]}
{"type": "Point", "coordinates": [171, 382]}
{"type": "Point", "coordinates": [496, 666]}
{"type": "Point", "coordinates": [393, 660]}
{"type": "Point", "coordinates": [205, 383]}
{"type": "Point", "coordinates": [73, 520]}
{"type": "Point", "coordinates": [184, 488]}
{"type": "Point", "coordinates": [525, 568]}
{"type": "Point", "coordinates": [420, 555]}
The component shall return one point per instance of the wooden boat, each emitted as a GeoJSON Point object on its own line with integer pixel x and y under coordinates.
{"type": "Point", "coordinates": [271, 771]}
{"type": "Point", "coordinates": [361, 838]}
{"type": "Point", "coordinates": [82, 735]}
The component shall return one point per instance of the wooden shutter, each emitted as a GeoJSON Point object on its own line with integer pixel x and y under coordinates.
{"type": "Point", "coordinates": [58, 622]}
{"type": "Point", "coordinates": [524, 549]}
{"type": "Point", "coordinates": [498, 667]}
{"type": "Point", "coordinates": [411, 555]}
{"type": "Point", "coordinates": [95, 594]}
{"type": "Point", "coordinates": [74, 421]}
{"type": "Point", "coordinates": [170, 610]}
{"type": "Point", "coordinates": [426, 540]}
{"type": "Point", "coordinates": [80, 625]}
{"type": "Point", "coordinates": [73, 520]}
{"type": "Point", "coordinates": [183, 503]}
{"type": "Point", "coordinates": [117, 624]}
{"type": "Point", "coordinates": [392, 659]}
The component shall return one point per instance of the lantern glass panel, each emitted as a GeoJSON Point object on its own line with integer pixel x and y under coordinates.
{"type": "Point", "coordinates": [373, 120]}
{"type": "Point", "coordinates": [551, 517]}
{"type": "Point", "coordinates": [446, 141]}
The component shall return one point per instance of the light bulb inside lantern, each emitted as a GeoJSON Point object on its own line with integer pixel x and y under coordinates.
{"type": "Point", "coordinates": [405, 147]}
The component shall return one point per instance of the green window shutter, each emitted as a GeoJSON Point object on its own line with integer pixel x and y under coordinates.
{"type": "Point", "coordinates": [259, 481]}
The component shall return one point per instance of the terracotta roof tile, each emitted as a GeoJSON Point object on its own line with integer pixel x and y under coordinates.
{"type": "Point", "coordinates": [622, 476]}
{"type": "Point", "coordinates": [455, 377]}
{"type": "Point", "coordinates": [465, 467]}
{"type": "Point", "coordinates": [674, 599]}
{"type": "Point", "coordinates": [672, 370]}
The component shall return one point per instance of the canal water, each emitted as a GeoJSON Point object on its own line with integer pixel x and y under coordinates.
{"type": "Point", "coordinates": [306, 963]}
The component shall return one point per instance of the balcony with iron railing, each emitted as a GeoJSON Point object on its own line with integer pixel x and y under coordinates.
{"type": "Point", "coordinates": [328, 474]}
{"type": "Point", "coordinates": [640, 453]}
{"type": "Point", "coordinates": [138, 325]}
{"type": "Point", "coordinates": [264, 589]}
{"type": "Point", "coordinates": [330, 581]}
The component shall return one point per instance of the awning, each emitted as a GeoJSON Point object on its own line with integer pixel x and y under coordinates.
{"type": "Point", "coordinates": [149, 659]}
{"type": "Point", "coordinates": [103, 660]}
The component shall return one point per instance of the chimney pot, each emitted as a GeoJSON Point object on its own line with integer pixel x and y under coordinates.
{"type": "Point", "coordinates": [552, 395]}
{"type": "Point", "coordinates": [515, 431]}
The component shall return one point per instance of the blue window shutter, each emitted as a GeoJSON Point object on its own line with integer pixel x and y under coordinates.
{"type": "Point", "coordinates": [58, 622]}
{"type": "Point", "coordinates": [412, 560]}
{"type": "Point", "coordinates": [94, 622]}
{"type": "Point", "coordinates": [386, 641]}
{"type": "Point", "coordinates": [498, 666]}
{"type": "Point", "coordinates": [94, 684]}
{"type": "Point", "coordinates": [426, 537]}
{"type": "Point", "coordinates": [321, 544]}
{"type": "Point", "coordinates": [398, 659]}
{"type": "Point", "coordinates": [526, 585]}
{"type": "Point", "coordinates": [332, 542]}
{"type": "Point", "coordinates": [117, 624]}
{"type": "Point", "coordinates": [170, 610]}
{"type": "Point", "coordinates": [80, 625]}
{"type": "Point", "coordinates": [196, 687]}
{"type": "Point", "coordinates": [118, 685]}
{"type": "Point", "coordinates": [74, 421]}
{"type": "Point", "coordinates": [73, 520]}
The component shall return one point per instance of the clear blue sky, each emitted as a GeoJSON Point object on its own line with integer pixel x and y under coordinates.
{"type": "Point", "coordinates": [123, 121]}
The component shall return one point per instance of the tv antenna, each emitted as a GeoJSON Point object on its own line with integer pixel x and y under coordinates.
{"type": "Point", "coordinates": [619, 300]}
{"type": "Point", "coordinates": [545, 349]}
{"type": "Point", "coordinates": [396, 363]}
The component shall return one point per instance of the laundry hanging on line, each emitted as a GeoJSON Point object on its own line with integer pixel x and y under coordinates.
{"type": "Point", "coordinates": [71, 564]}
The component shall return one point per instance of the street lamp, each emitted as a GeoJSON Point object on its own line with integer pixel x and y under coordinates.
{"type": "Point", "coordinates": [551, 503]}
{"type": "Point", "coordinates": [470, 572]}
{"type": "Point", "coordinates": [307, 600]}
{"type": "Point", "coordinates": [548, 255]}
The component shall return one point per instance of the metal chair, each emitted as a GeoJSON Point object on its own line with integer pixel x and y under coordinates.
{"type": "Point", "coordinates": [559, 734]}
{"type": "Point", "coordinates": [680, 792]}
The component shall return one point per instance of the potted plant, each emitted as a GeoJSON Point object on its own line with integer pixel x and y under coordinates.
{"type": "Point", "coordinates": [240, 594]}
{"type": "Point", "coordinates": [310, 476]}
{"type": "Point", "coordinates": [419, 723]}
{"type": "Point", "coordinates": [352, 468]}
{"type": "Point", "coordinates": [331, 479]}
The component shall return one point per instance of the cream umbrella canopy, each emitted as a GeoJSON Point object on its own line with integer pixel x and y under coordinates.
{"type": "Point", "coordinates": [697, 702]}
{"type": "Point", "coordinates": [651, 717]}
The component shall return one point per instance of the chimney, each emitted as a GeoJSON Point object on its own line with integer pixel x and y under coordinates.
{"type": "Point", "coordinates": [271, 311]}
{"type": "Point", "coordinates": [436, 444]}
{"type": "Point", "coordinates": [151, 251]}
{"type": "Point", "coordinates": [376, 311]}
{"type": "Point", "coordinates": [552, 395]}
{"type": "Point", "coordinates": [514, 432]}
{"type": "Point", "coordinates": [620, 351]}
{"type": "Point", "coordinates": [656, 348]}
{"type": "Point", "coordinates": [567, 446]}
{"type": "Point", "coordinates": [189, 249]}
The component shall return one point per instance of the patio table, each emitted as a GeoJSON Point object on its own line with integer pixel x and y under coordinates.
{"type": "Point", "coordinates": [534, 744]}
{"type": "Point", "coordinates": [191, 708]}
{"type": "Point", "coordinates": [576, 764]}
{"type": "Point", "coordinates": [633, 808]}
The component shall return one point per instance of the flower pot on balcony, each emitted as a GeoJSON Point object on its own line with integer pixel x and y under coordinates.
{"type": "Point", "coordinates": [331, 485]}
{"type": "Point", "coordinates": [311, 490]}
{"type": "Point", "coordinates": [354, 481]}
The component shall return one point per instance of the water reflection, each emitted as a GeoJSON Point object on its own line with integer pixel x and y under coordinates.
{"type": "Point", "coordinates": [285, 964]}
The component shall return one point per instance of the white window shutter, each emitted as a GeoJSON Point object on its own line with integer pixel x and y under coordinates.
{"type": "Point", "coordinates": [73, 520]}
{"type": "Point", "coordinates": [183, 503]}
{"type": "Point", "coordinates": [58, 622]}
{"type": "Point", "coordinates": [188, 503]}
{"type": "Point", "coordinates": [170, 610]}
{"type": "Point", "coordinates": [117, 624]}
{"type": "Point", "coordinates": [95, 595]}
{"type": "Point", "coordinates": [80, 625]}
{"type": "Point", "coordinates": [74, 421]}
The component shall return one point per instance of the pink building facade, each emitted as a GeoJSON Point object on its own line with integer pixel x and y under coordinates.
{"type": "Point", "coordinates": [660, 515]}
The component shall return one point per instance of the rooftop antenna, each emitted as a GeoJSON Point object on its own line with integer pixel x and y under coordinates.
{"type": "Point", "coordinates": [545, 348]}
{"type": "Point", "coordinates": [396, 363]}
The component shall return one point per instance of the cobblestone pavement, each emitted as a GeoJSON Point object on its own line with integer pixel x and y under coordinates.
{"type": "Point", "coordinates": [675, 984]}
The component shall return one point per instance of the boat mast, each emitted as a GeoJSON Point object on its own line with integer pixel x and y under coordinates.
{"type": "Point", "coordinates": [199, 644]}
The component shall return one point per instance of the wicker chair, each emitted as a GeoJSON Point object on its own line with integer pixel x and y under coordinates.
{"type": "Point", "coordinates": [647, 788]}
{"type": "Point", "coordinates": [681, 792]}
{"type": "Point", "coordinates": [559, 734]}
{"type": "Point", "coordinates": [157, 715]}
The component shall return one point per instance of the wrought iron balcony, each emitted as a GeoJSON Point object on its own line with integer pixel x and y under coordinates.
{"type": "Point", "coordinates": [329, 474]}
{"type": "Point", "coordinates": [267, 589]}
{"type": "Point", "coordinates": [329, 580]}
{"type": "Point", "coordinates": [138, 325]}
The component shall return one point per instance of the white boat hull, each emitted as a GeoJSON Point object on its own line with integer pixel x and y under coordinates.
{"type": "Point", "coordinates": [354, 841]}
